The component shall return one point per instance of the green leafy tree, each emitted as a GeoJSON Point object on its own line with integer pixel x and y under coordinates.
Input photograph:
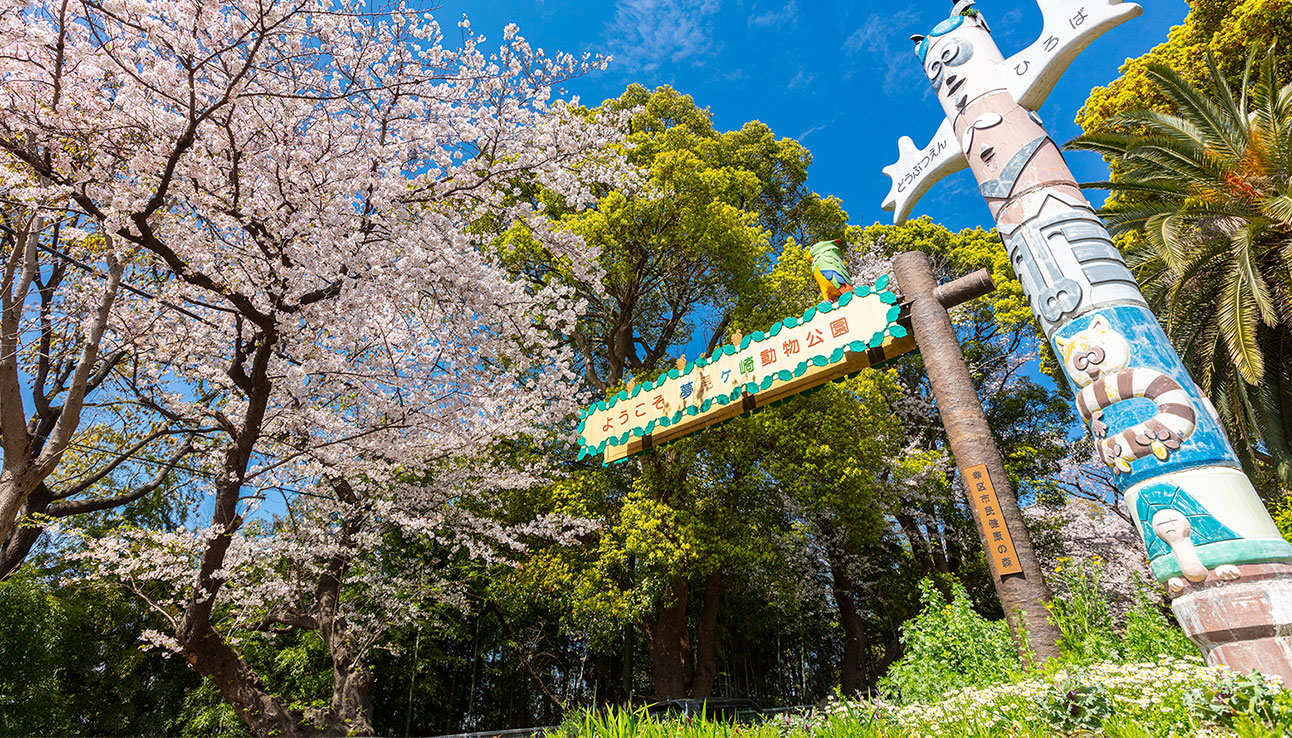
{"type": "Point", "coordinates": [683, 245]}
{"type": "Point", "coordinates": [825, 453]}
{"type": "Point", "coordinates": [1210, 226]}
{"type": "Point", "coordinates": [70, 663]}
{"type": "Point", "coordinates": [682, 251]}
{"type": "Point", "coordinates": [1227, 29]}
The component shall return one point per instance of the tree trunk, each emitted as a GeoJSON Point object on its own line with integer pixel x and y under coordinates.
{"type": "Point", "coordinates": [21, 538]}
{"type": "Point", "coordinates": [28, 462]}
{"type": "Point", "coordinates": [260, 711]}
{"type": "Point", "coordinates": [856, 646]}
{"type": "Point", "coordinates": [706, 665]}
{"type": "Point", "coordinates": [351, 709]}
{"type": "Point", "coordinates": [919, 544]}
{"type": "Point", "coordinates": [670, 645]}
{"type": "Point", "coordinates": [1023, 595]}
{"type": "Point", "coordinates": [203, 647]}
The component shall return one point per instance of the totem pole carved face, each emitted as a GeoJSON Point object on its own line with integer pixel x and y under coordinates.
{"type": "Point", "coordinates": [959, 59]}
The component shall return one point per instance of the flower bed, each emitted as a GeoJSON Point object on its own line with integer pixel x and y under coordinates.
{"type": "Point", "coordinates": [1164, 698]}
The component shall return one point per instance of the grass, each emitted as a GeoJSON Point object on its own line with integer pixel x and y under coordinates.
{"type": "Point", "coordinates": [1169, 697]}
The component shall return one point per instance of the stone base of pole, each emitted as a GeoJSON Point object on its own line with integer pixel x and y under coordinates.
{"type": "Point", "coordinates": [1243, 623]}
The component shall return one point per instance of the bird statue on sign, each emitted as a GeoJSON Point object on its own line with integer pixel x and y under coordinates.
{"type": "Point", "coordinates": [829, 270]}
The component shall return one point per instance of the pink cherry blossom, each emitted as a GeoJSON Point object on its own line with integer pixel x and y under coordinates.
{"type": "Point", "coordinates": [310, 193]}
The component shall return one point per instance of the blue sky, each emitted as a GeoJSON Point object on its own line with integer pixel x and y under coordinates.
{"type": "Point", "coordinates": [838, 76]}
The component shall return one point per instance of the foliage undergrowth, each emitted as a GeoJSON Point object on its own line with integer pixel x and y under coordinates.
{"type": "Point", "coordinates": [949, 646]}
{"type": "Point", "coordinates": [959, 676]}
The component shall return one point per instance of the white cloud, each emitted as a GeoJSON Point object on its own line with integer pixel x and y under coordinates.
{"type": "Point", "coordinates": [801, 80]}
{"type": "Point", "coordinates": [809, 132]}
{"type": "Point", "coordinates": [787, 15]}
{"type": "Point", "coordinates": [646, 33]}
{"type": "Point", "coordinates": [883, 37]}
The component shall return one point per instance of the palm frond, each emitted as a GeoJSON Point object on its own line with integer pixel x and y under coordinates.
{"type": "Point", "coordinates": [1275, 404]}
{"type": "Point", "coordinates": [1163, 189]}
{"type": "Point", "coordinates": [1245, 409]}
{"type": "Point", "coordinates": [1237, 320]}
{"type": "Point", "coordinates": [1162, 163]}
{"type": "Point", "coordinates": [1247, 81]}
{"type": "Point", "coordinates": [1225, 95]}
{"type": "Point", "coordinates": [1188, 136]}
{"type": "Point", "coordinates": [1279, 150]}
{"type": "Point", "coordinates": [1208, 260]}
{"type": "Point", "coordinates": [1242, 243]}
{"type": "Point", "coordinates": [1124, 219]}
{"type": "Point", "coordinates": [1223, 399]}
{"type": "Point", "coordinates": [1164, 234]}
{"type": "Point", "coordinates": [1196, 337]}
{"type": "Point", "coordinates": [1223, 134]}
{"type": "Point", "coordinates": [1112, 145]}
{"type": "Point", "coordinates": [1278, 209]}
{"type": "Point", "coordinates": [1284, 100]}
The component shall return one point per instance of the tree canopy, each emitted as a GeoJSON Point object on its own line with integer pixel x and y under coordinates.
{"type": "Point", "coordinates": [1227, 29]}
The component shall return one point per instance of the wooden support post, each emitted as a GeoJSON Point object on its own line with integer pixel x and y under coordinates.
{"type": "Point", "coordinates": [1021, 587]}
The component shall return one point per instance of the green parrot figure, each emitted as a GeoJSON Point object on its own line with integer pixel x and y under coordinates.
{"type": "Point", "coordinates": [829, 270]}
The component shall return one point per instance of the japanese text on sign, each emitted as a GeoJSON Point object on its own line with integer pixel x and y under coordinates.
{"type": "Point", "coordinates": [999, 544]}
{"type": "Point", "coordinates": [794, 355]}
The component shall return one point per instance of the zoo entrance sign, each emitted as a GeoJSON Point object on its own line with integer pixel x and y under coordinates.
{"type": "Point", "coordinates": [828, 342]}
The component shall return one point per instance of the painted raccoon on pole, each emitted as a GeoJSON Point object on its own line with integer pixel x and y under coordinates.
{"type": "Point", "coordinates": [1097, 360]}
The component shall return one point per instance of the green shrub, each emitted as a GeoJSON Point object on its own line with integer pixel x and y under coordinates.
{"type": "Point", "coordinates": [1087, 630]}
{"type": "Point", "coordinates": [949, 646]}
{"type": "Point", "coordinates": [1243, 702]}
{"type": "Point", "coordinates": [1082, 615]}
{"type": "Point", "coordinates": [1147, 634]}
{"type": "Point", "coordinates": [1076, 703]}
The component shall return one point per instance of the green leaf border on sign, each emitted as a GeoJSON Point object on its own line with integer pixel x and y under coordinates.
{"type": "Point", "coordinates": [857, 346]}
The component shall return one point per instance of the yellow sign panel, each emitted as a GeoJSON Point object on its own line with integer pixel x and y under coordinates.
{"type": "Point", "coordinates": [1000, 546]}
{"type": "Point", "coordinates": [829, 341]}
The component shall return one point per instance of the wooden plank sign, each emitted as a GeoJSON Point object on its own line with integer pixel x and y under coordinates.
{"type": "Point", "coordinates": [996, 538]}
{"type": "Point", "coordinates": [829, 341]}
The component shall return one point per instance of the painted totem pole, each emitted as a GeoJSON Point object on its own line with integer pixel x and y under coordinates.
{"type": "Point", "coordinates": [1209, 538]}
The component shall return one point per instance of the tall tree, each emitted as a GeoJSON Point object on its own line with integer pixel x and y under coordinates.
{"type": "Point", "coordinates": [681, 246]}
{"type": "Point", "coordinates": [73, 443]}
{"type": "Point", "coordinates": [308, 178]}
{"type": "Point", "coordinates": [682, 251]}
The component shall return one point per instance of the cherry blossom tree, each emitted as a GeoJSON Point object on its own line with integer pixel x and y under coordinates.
{"type": "Point", "coordinates": [311, 190]}
{"type": "Point", "coordinates": [61, 355]}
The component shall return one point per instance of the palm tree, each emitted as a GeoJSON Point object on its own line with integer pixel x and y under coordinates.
{"type": "Point", "coordinates": [1204, 199]}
